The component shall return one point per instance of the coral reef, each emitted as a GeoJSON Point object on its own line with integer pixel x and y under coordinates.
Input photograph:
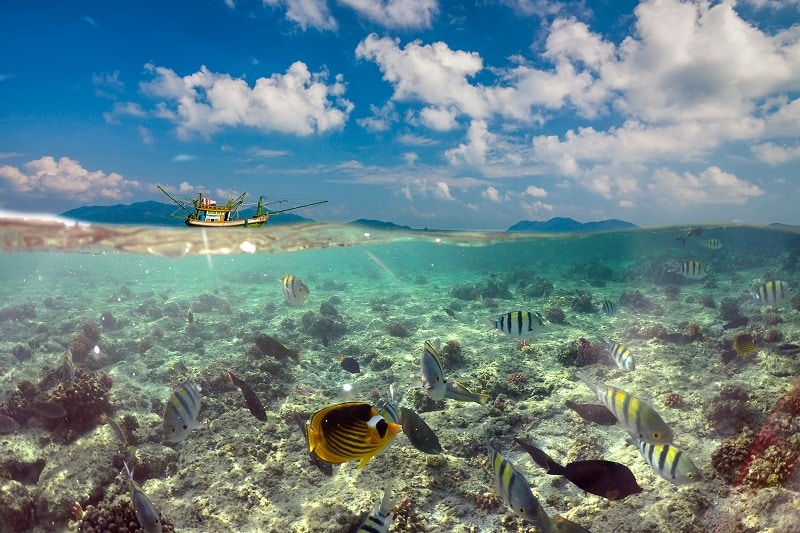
{"type": "Point", "coordinates": [773, 335]}
{"type": "Point", "coordinates": [106, 517]}
{"type": "Point", "coordinates": [17, 511]}
{"type": "Point", "coordinates": [323, 323]}
{"type": "Point", "coordinates": [674, 400]}
{"type": "Point", "coordinates": [21, 352]}
{"type": "Point", "coordinates": [730, 457]}
{"type": "Point", "coordinates": [729, 309]}
{"type": "Point", "coordinates": [582, 303]}
{"type": "Point", "coordinates": [538, 287]}
{"type": "Point", "coordinates": [397, 329]}
{"type": "Point", "coordinates": [555, 315]}
{"type": "Point", "coordinates": [771, 319]}
{"type": "Point", "coordinates": [18, 313]}
{"type": "Point", "coordinates": [707, 301]}
{"type": "Point", "coordinates": [452, 354]}
{"type": "Point", "coordinates": [587, 353]}
{"type": "Point", "coordinates": [729, 412]}
{"type": "Point", "coordinates": [635, 300]}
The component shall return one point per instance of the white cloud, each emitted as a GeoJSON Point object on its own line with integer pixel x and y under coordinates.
{"type": "Point", "coordinates": [415, 140]}
{"type": "Point", "coordinates": [124, 109]}
{"type": "Point", "coordinates": [442, 191]}
{"type": "Point", "coordinates": [107, 84]}
{"type": "Point", "coordinates": [382, 118]}
{"type": "Point", "coordinates": [183, 158]}
{"type": "Point", "coordinates": [145, 135]}
{"type": "Point", "coordinates": [410, 158]}
{"type": "Point", "coordinates": [775, 154]}
{"type": "Point", "coordinates": [536, 192]}
{"type": "Point", "coordinates": [536, 208]}
{"type": "Point", "coordinates": [298, 102]}
{"type": "Point", "coordinates": [439, 119]}
{"type": "Point", "coordinates": [491, 194]}
{"type": "Point", "coordinates": [396, 13]}
{"type": "Point", "coordinates": [67, 178]}
{"type": "Point", "coordinates": [433, 73]}
{"type": "Point", "coordinates": [307, 13]}
{"type": "Point", "coordinates": [264, 152]}
{"type": "Point", "coordinates": [473, 152]}
{"type": "Point", "coordinates": [711, 186]}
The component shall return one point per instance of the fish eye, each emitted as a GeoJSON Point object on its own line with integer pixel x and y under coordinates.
{"type": "Point", "coordinates": [656, 435]}
{"type": "Point", "coordinates": [690, 475]}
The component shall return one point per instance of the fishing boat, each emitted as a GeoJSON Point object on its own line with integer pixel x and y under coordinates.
{"type": "Point", "coordinates": [207, 213]}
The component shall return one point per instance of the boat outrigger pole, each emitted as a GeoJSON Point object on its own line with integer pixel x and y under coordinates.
{"type": "Point", "coordinates": [297, 207]}
{"type": "Point", "coordinates": [178, 203]}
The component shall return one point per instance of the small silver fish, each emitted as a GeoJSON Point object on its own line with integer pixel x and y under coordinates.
{"type": "Point", "coordinates": [432, 371]}
{"type": "Point", "coordinates": [143, 508]}
{"type": "Point", "coordinates": [379, 520]}
{"type": "Point", "coordinates": [458, 392]}
{"type": "Point", "coordinates": [180, 413]}
{"type": "Point", "coordinates": [68, 367]}
{"type": "Point", "coordinates": [294, 290]}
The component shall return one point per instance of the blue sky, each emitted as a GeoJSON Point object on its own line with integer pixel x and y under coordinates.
{"type": "Point", "coordinates": [426, 113]}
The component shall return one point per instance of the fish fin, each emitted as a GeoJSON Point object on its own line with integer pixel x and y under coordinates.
{"type": "Point", "coordinates": [364, 461]}
{"type": "Point", "coordinates": [541, 458]}
{"type": "Point", "coordinates": [483, 399]}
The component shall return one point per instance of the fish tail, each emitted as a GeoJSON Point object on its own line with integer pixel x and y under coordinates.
{"type": "Point", "coordinates": [583, 377]}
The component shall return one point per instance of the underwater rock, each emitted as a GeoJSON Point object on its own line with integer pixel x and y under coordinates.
{"type": "Point", "coordinates": [115, 517]}
{"type": "Point", "coordinates": [17, 312]}
{"type": "Point", "coordinates": [17, 512]}
{"type": "Point", "coordinates": [78, 473]}
{"type": "Point", "coordinates": [151, 460]}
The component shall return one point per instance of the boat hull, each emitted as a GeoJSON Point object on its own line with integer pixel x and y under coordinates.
{"type": "Point", "coordinates": [244, 222]}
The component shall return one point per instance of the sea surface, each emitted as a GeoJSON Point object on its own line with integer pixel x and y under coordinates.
{"type": "Point", "coordinates": [144, 309]}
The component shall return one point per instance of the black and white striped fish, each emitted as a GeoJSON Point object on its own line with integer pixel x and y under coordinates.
{"type": "Point", "coordinates": [294, 290]}
{"type": "Point", "coordinates": [180, 413]}
{"type": "Point", "coordinates": [379, 520]}
{"type": "Point", "coordinates": [516, 323]}
{"type": "Point", "coordinates": [690, 269]}
{"type": "Point", "coordinates": [772, 292]}
{"type": "Point", "coordinates": [620, 355]}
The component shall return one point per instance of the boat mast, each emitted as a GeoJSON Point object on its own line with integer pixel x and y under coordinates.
{"type": "Point", "coordinates": [178, 203]}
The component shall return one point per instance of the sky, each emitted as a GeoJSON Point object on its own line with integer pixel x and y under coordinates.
{"type": "Point", "coordinates": [468, 115]}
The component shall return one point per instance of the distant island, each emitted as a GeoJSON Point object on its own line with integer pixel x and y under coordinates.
{"type": "Point", "coordinates": [155, 213]}
{"type": "Point", "coordinates": [161, 214]}
{"type": "Point", "coordinates": [568, 225]}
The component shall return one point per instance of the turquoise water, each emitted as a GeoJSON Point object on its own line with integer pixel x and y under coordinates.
{"type": "Point", "coordinates": [377, 299]}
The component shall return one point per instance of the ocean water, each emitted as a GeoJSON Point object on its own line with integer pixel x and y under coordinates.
{"type": "Point", "coordinates": [121, 298]}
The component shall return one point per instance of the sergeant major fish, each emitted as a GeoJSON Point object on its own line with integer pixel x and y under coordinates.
{"type": "Point", "coordinates": [669, 462]}
{"type": "Point", "coordinates": [516, 323]}
{"type": "Point", "coordinates": [432, 372]}
{"type": "Point", "coordinates": [690, 269]}
{"type": "Point", "coordinates": [515, 490]}
{"type": "Point", "coordinates": [620, 355]}
{"type": "Point", "coordinates": [180, 413]}
{"type": "Point", "coordinates": [294, 290]}
{"type": "Point", "coordinates": [379, 520]}
{"type": "Point", "coordinates": [636, 416]}
{"type": "Point", "coordinates": [143, 508]}
{"type": "Point", "coordinates": [772, 292]}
